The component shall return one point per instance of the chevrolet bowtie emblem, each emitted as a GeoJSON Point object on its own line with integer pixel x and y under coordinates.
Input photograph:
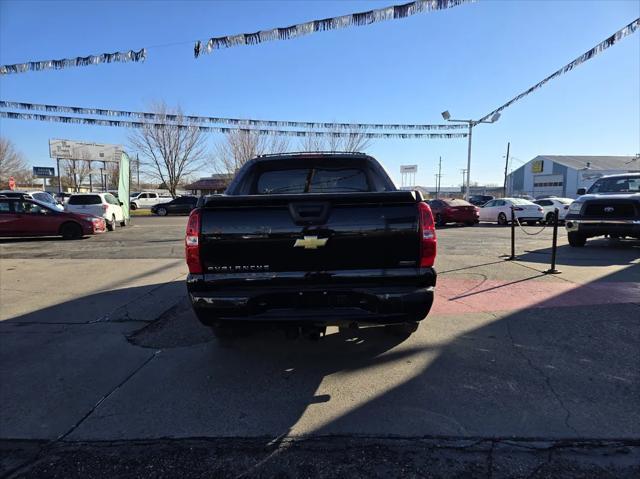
{"type": "Point", "coordinates": [310, 242]}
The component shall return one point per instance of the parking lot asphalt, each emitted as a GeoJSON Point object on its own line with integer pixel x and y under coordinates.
{"type": "Point", "coordinates": [512, 370]}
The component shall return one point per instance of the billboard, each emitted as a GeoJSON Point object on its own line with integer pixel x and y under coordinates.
{"type": "Point", "coordinates": [80, 150]}
{"type": "Point", "coordinates": [43, 172]}
{"type": "Point", "coordinates": [408, 168]}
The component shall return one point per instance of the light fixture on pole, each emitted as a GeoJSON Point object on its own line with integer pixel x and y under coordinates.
{"type": "Point", "coordinates": [447, 117]}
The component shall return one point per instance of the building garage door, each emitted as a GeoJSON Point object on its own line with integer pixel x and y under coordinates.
{"type": "Point", "coordinates": [548, 185]}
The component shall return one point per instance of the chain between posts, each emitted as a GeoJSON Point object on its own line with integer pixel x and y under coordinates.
{"type": "Point", "coordinates": [515, 219]}
{"type": "Point", "coordinates": [525, 231]}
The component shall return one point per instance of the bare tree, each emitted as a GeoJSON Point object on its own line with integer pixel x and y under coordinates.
{"type": "Point", "coordinates": [351, 140]}
{"type": "Point", "coordinates": [77, 171]}
{"type": "Point", "coordinates": [12, 162]}
{"type": "Point", "coordinates": [240, 146]}
{"type": "Point", "coordinates": [172, 151]}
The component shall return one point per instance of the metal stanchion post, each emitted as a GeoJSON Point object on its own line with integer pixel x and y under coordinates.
{"type": "Point", "coordinates": [553, 269]}
{"type": "Point", "coordinates": [513, 236]}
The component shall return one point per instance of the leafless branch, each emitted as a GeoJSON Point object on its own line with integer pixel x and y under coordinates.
{"type": "Point", "coordinates": [240, 146]}
{"type": "Point", "coordinates": [12, 163]}
{"type": "Point", "coordinates": [352, 142]}
{"type": "Point", "coordinates": [171, 152]}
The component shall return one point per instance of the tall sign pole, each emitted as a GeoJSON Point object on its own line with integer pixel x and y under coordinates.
{"type": "Point", "coordinates": [59, 179]}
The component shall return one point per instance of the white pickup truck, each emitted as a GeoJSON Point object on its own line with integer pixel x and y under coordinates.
{"type": "Point", "coordinates": [145, 199]}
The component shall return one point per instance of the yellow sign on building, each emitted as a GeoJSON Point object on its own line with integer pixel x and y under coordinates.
{"type": "Point", "coordinates": [537, 166]}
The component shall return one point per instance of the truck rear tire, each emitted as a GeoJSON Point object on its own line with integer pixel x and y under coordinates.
{"type": "Point", "coordinates": [576, 239]}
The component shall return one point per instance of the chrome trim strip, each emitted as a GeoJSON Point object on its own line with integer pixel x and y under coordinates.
{"type": "Point", "coordinates": [608, 222]}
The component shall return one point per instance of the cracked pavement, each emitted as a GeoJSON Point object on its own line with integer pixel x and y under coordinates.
{"type": "Point", "coordinates": [104, 370]}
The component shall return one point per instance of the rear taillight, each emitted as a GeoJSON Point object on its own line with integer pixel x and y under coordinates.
{"type": "Point", "coordinates": [105, 208]}
{"type": "Point", "coordinates": [192, 243]}
{"type": "Point", "coordinates": [427, 230]}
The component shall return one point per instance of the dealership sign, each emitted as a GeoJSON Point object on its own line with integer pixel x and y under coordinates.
{"type": "Point", "coordinates": [408, 168]}
{"type": "Point", "coordinates": [43, 172]}
{"type": "Point", "coordinates": [79, 150]}
{"type": "Point", "coordinates": [537, 166]}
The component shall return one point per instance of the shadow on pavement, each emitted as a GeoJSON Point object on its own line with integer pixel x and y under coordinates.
{"type": "Point", "coordinates": [597, 252]}
{"type": "Point", "coordinates": [553, 374]}
{"type": "Point", "coordinates": [40, 239]}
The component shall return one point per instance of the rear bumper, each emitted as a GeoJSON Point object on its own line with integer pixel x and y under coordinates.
{"type": "Point", "coordinates": [529, 217]}
{"type": "Point", "coordinates": [599, 227]}
{"type": "Point", "coordinates": [462, 218]}
{"type": "Point", "coordinates": [318, 304]}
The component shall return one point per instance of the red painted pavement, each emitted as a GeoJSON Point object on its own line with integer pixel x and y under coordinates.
{"type": "Point", "coordinates": [455, 296]}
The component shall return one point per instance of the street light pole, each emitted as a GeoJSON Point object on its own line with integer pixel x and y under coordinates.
{"type": "Point", "coordinates": [447, 116]}
{"type": "Point", "coordinates": [466, 191]}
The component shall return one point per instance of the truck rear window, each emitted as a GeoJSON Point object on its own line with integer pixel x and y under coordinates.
{"type": "Point", "coordinates": [312, 180]}
{"type": "Point", "coordinates": [85, 200]}
{"type": "Point", "coordinates": [616, 185]}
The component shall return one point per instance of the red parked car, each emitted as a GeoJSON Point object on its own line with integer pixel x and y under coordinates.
{"type": "Point", "coordinates": [25, 217]}
{"type": "Point", "coordinates": [454, 211]}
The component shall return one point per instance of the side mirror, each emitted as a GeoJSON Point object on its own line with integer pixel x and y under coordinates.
{"type": "Point", "coordinates": [581, 191]}
{"type": "Point", "coordinates": [121, 203]}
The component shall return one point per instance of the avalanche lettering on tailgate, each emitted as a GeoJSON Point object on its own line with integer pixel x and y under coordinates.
{"type": "Point", "coordinates": [241, 268]}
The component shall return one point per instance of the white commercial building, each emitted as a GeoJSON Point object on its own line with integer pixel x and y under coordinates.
{"type": "Point", "coordinates": [561, 175]}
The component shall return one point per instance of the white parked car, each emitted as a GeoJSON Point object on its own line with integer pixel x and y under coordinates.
{"type": "Point", "coordinates": [500, 211]}
{"type": "Point", "coordinates": [104, 205]}
{"type": "Point", "coordinates": [550, 204]}
{"type": "Point", "coordinates": [146, 199]}
{"type": "Point", "coordinates": [38, 195]}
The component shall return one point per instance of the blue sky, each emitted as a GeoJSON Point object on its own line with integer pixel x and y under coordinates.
{"type": "Point", "coordinates": [469, 60]}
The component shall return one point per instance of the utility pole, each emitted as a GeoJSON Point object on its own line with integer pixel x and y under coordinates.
{"type": "Point", "coordinates": [439, 177]}
{"type": "Point", "coordinates": [506, 167]}
{"type": "Point", "coordinates": [464, 178]}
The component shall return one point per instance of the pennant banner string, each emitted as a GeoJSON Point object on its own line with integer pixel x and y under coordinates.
{"type": "Point", "coordinates": [286, 33]}
{"type": "Point", "coordinates": [227, 121]}
{"type": "Point", "coordinates": [122, 57]}
{"type": "Point", "coordinates": [218, 129]}
{"type": "Point", "coordinates": [599, 48]}
{"type": "Point", "coordinates": [314, 26]}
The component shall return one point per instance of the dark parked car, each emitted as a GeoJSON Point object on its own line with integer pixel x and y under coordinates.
{"type": "Point", "coordinates": [454, 211]}
{"type": "Point", "coordinates": [182, 205]}
{"type": "Point", "coordinates": [25, 217]}
{"type": "Point", "coordinates": [307, 240]}
{"type": "Point", "coordinates": [480, 200]}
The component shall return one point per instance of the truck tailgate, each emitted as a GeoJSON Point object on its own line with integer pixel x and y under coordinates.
{"type": "Point", "coordinates": [310, 233]}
